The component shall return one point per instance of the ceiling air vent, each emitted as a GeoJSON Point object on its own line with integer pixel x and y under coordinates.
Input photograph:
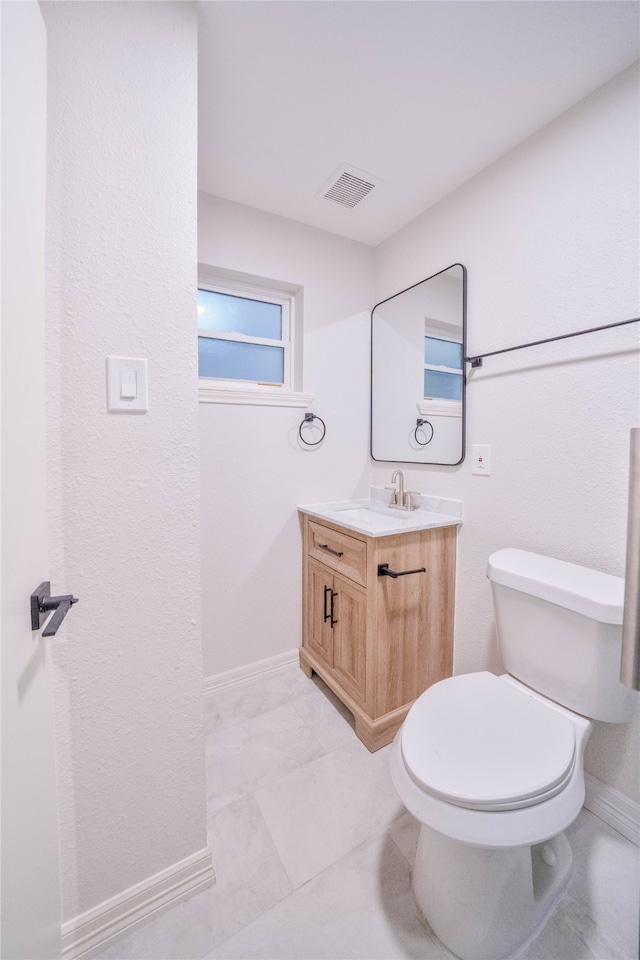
{"type": "Point", "coordinates": [349, 186]}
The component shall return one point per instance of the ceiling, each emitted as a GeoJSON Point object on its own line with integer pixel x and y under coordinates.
{"type": "Point", "coordinates": [418, 94]}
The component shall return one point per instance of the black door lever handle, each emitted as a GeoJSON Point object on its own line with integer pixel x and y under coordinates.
{"type": "Point", "coordinates": [42, 603]}
{"type": "Point", "coordinates": [61, 610]}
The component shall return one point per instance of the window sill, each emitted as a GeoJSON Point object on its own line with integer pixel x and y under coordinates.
{"type": "Point", "coordinates": [213, 393]}
{"type": "Point", "coordinates": [440, 408]}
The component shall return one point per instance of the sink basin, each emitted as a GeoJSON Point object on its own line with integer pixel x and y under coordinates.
{"type": "Point", "coordinates": [370, 517]}
{"type": "Point", "coordinates": [374, 519]}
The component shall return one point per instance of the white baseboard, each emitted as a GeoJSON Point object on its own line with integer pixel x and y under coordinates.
{"type": "Point", "coordinates": [91, 932]}
{"type": "Point", "coordinates": [613, 808]}
{"type": "Point", "coordinates": [251, 673]}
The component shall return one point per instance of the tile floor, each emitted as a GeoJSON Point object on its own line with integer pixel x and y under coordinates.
{"type": "Point", "coordinates": [312, 850]}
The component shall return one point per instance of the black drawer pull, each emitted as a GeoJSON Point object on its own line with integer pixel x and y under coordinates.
{"type": "Point", "coordinates": [336, 553]}
{"type": "Point", "coordinates": [383, 571]}
{"type": "Point", "coordinates": [333, 598]}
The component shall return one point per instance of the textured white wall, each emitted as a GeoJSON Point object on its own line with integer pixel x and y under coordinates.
{"type": "Point", "coordinates": [549, 235]}
{"type": "Point", "coordinates": [254, 470]}
{"type": "Point", "coordinates": [125, 497]}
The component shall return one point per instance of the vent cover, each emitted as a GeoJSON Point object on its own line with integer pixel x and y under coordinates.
{"type": "Point", "coordinates": [349, 186]}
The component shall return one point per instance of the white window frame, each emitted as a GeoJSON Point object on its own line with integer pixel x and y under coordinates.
{"type": "Point", "coordinates": [219, 390]}
{"type": "Point", "coordinates": [438, 406]}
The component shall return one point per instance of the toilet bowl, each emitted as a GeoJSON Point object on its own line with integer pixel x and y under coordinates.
{"type": "Point", "coordinates": [475, 777]}
{"type": "Point", "coordinates": [492, 859]}
{"type": "Point", "coordinates": [492, 768]}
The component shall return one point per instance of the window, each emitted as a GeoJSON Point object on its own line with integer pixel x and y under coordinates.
{"type": "Point", "coordinates": [240, 338]}
{"type": "Point", "coordinates": [246, 344]}
{"type": "Point", "coordinates": [443, 377]}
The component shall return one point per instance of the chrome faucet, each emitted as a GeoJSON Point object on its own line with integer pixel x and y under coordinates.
{"type": "Point", "coordinates": [398, 500]}
{"type": "Point", "coordinates": [401, 499]}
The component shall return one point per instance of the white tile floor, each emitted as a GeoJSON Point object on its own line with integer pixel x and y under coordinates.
{"type": "Point", "coordinates": [312, 850]}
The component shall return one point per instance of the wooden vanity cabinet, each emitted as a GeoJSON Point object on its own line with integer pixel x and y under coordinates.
{"type": "Point", "coordinates": [377, 642]}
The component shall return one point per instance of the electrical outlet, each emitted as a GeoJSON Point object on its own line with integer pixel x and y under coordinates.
{"type": "Point", "coordinates": [481, 459]}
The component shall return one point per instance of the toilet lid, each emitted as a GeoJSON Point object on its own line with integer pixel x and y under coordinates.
{"type": "Point", "coordinates": [477, 741]}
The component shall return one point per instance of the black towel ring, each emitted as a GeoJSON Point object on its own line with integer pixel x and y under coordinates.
{"type": "Point", "coordinates": [422, 423]}
{"type": "Point", "coordinates": [309, 418]}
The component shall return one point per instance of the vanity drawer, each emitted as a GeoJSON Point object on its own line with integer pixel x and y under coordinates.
{"type": "Point", "coordinates": [347, 555]}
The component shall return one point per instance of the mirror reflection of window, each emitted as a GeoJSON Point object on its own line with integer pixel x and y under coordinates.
{"type": "Point", "coordinates": [442, 369]}
{"type": "Point", "coordinates": [418, 342]}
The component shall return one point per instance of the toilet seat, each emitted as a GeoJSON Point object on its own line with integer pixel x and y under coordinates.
{"type": "Point", "coordinates": [479, 742]}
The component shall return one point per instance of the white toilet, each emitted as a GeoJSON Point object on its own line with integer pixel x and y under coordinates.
{"type": "Point", "coordinates": [492, 766]}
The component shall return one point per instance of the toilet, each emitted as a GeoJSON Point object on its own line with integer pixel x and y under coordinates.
{"type": "Point", "coordinates": [492, 767]}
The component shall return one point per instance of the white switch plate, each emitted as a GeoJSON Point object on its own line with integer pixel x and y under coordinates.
{"type": "Point", "coordinates": [127, 370]}
{"type": "Point", "coordinates": [481, 459]}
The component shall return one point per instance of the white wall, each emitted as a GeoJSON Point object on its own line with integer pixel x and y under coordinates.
{"type": "Point", "coordinates": [549, 235]}
{"type": "Point", "coordinates": [125, 497]}
{"type": "Point", "coordinates": [254, 470]}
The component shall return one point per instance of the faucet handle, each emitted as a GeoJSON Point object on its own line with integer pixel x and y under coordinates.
{"type": "Point", "coordinates": [393, 500]}
{"type": "Point", "coordinates": [408, 499]}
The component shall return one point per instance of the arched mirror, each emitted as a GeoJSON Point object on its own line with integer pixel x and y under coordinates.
{"type": "Point", "coordinates": [418, 344]}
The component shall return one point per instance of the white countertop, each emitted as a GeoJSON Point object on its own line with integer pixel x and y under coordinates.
{"type": "Point", "coordinates": [375, 519]}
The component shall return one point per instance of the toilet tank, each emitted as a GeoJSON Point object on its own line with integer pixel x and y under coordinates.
{"type": "Point", "coordinates": [559, 631]}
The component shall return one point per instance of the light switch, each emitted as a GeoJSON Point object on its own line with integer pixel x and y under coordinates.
{"type": "Point", "coordinates": [127, 385]}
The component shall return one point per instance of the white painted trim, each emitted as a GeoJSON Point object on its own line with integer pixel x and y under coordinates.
{"type": "Point", "coordinates": [91, 932]}
{"type": "Point", "coordinates": [251, 673]}
{"type": "Point", "coordinates": [613, 808]}
{"type": "Point", "coordinates": [209, 392]}
{"type": "Point", "coordinates": [440, 408]}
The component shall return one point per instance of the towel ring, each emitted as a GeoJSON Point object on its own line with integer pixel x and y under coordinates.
{"type": "Point", "coordinates": [309, 418]}
{"type": "Point", "coordinates": [422, 423]}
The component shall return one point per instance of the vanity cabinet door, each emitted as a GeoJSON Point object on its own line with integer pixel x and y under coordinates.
{"type": "Point", "coordinates": [337, 629]}
{"type": "Point", "coordinates": [350, 638]}
{"type": "Point", "coordinates": [319, 635]}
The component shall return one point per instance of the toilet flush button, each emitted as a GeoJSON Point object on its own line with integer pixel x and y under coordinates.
{"type": "Point", "coordinates": [548, 856]}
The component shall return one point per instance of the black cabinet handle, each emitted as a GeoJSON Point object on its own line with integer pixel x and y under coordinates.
{"type": "Point", "coordinates": [336, 553]}
{"type": "Point", "coordinates": [333, 599]}
{"type": "Point", "coordinates": [327, 591]}
{"type": "Point", "coordinates": [383, 571]}
{"type": "Point", "coordinates": [333, 620]}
